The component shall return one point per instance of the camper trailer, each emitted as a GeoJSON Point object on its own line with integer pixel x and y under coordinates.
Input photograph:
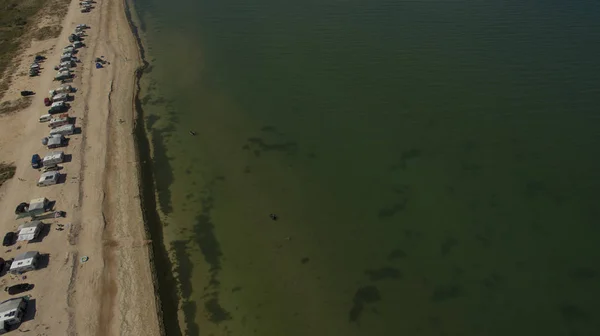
{"type": "Point", "coordinates": [61, 89]}
{"type": "Point", "coordinates": [12, 312]}
{"type": "Point", "coordinates": [67, 64]}
{"type": "Point", "coordinates": [58, 107]}
{"type": "Point", "coordinates": [53, 158]}
{"type": "Point", "coordinates": [55, 141]}
{"type": "Point", "coordinates": [25, 262]}
{"type": "Point", "coordinates": [66, 57]}
{"type": "Point", "coordinates": [62, 75]}
{"type": "Point", "coordinates": [61, 97]}
{"type": "Point", "coordinates": [60, 120]}
{"type": "Point", "coordinates": [63, 130]}
{"type": "Point", "coordinates": [35, 207]}
{"type": "Point", "coordinates": [29, 231]}
{"type": "Point", "coordinates": [48, 179]}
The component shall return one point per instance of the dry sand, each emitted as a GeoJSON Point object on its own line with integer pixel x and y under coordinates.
{"type": "Point", "coordinates": [112, 293]}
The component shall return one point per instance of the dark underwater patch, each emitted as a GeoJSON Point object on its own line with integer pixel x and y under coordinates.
{"type": "Point", "coordinates": [446, 292]}
{"type": "Point", "coordinates": [216, 313]}
{"type": "Point", "coordinates": [363, 296]}
{"type": "Point", "coordinates": [289, 148]}
{"type": "Point", "coordinates": [164, 178]}
{"type": "Point", "coordinates": [447, 245]}
{"type": "Point", "coordinates": [383, 273]}
{"type": "Point", "coordinates": [396, 254]}
{"type": "Point", "coordinates": [183, 267]}
{"type": "Point", "coordinates": [583, 273]}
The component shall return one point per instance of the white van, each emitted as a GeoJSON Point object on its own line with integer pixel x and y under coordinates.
{"type": "Point", "coordinates": [60, 121]}
{"type": "Point", "coordinates": [45, 117]}
{"type": "Point", "coordinates": [63, 130]}
{"type": "Point", "coordinates": [48, 178]}
{"type": "Point", "coordinates": [53, 158]}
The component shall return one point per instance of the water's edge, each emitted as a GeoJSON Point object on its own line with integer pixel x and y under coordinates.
{"type": "Point", "coordinates": [165, 289]}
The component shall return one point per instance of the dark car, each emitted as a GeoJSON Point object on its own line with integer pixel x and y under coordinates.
{"type": "Point", "coordinates": [36, 161]}
{"type": "Point", "coordinates": [18, 288]}
{"type": "Point", "coordinates": [26, 93]}
{"type": "Point", "coordinates": [9, 239]}
{"type": "Point", "coordinates": [47, 101]}
{"type": "Point", "coordinates": [39, 58]}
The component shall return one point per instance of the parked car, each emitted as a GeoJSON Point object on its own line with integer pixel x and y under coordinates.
{"type": "Point", "coordinates": [47, 101]}
{"type": "Point", "coordinates": [18, 288]}
{"type": "Point", "coordinates": [39, 58]}
{"type": "Point", "coordinates": [36, 161]}
{"type": "Point", "coordinates": [45, 117]}
{"type": "Point", "coordinates": [26, 93]}
{"type": "Point", "coordinates": [52, 168]}
{"type": "Point", "coordinates": [9, 239]}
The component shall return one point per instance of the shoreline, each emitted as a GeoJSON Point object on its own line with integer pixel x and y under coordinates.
{"type": "Point", "coordinates": [167, 299]}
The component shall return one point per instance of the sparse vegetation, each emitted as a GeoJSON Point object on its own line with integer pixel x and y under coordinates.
{"type": "Point", "coordinates": [12, 106]}
{"type": "Point", "coordinates": [46, 32]}
{"type": "Point", "coordinates": [18, 27]}
{"type": "Point", "coordinates": [7, 171]}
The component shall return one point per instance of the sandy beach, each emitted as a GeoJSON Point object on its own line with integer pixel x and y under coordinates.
{"type": "Point", "coordinates": [112, 293]}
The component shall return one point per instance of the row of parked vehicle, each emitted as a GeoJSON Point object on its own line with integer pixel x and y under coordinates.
{"type": "Point", "coordinates": [58, 120]}
{"type": "Point", "coordinates": [12, 311]}
{"type": "Point", "coordinates": [86, 6]}
{"type": "Point", "coordinates": [36, 66]}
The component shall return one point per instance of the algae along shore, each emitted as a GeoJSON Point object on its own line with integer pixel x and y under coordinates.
{"type": "Point", "coordinates": [431, 166]}
{"type": "Point", "coordinates": [76, 254]}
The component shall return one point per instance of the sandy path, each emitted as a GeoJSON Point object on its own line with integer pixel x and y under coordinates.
{"type": "Point", "coordinates": [112, 293]}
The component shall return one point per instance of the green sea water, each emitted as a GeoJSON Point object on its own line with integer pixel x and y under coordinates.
{"type": "Point", "coordinates": [434, 165]}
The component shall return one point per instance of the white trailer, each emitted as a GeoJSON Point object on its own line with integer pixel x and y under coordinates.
{"type": "Point", "coordinates": [62, 75]}
{"type": "Point", "coordinates": [63, 130]}
{"type": "Point", "coordinates": [61, 89]}
{"type": "Point", "coordinates": [53, 158]}
{"type": "Point", "coordinates": [55, 141]}
{"type": "Point", "coordinates": [48, 179]}
{"type": "Point", "coordinates": [61, 97]}
{"type": "Point", "coordinates": [61, 120]}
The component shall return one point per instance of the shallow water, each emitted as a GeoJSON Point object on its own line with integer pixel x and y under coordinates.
{"type": "Point", "coordinates": [433, 165]}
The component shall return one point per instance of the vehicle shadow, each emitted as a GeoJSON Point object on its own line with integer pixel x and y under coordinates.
{"type": "Point", "coordinates": [30, 312]}
{"type": "Point", "coordinates": [43, 261]}
{"type": "Point", "coordinates": [62, 178]}
{"type": "Point", "coordinates": [44, 231]}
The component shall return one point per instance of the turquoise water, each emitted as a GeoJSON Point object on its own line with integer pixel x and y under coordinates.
{"type": "Point", "coordinates": [433, 165]}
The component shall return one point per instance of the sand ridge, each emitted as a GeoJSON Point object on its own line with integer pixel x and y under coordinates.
{"type": "Point", "coordinates": [112, 293]}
